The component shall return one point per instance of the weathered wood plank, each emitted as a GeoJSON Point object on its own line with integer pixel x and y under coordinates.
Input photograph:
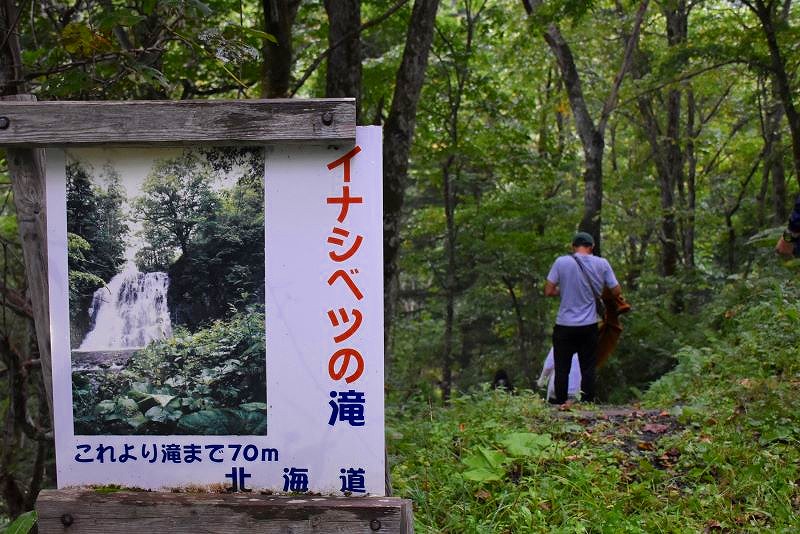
{"type": "Point", "coordinates": [84, 511]}
{"type": "Point", "coordinates": [26, 167]}
{"type": "Point", "coordinates": [177, 123]}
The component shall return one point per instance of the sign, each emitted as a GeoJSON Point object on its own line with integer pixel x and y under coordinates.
{"type": "Point", "coordinates": [217, 317]}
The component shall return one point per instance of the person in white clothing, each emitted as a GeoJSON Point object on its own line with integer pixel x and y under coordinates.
{"type": "Point", "coordinates": [548, 376]}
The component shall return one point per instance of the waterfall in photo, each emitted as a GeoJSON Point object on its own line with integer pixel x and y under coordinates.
{"type": "Point", "coordinates": [130, 312]}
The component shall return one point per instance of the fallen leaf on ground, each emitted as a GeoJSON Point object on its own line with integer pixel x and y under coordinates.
{"type": "Point", "coordinates": [483, 495]}
{"type": "Point", "coordinates": [655, 428]}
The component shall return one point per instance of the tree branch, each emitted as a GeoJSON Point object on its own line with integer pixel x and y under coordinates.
{"type": "Point", "coordinates": [633, 40]}
{"type": "Point", "coordinates": [320, 58]}
{"type": "Point", "coordinates": [16, 301]}
{"type": "Point", "coordinates": [683, 77]}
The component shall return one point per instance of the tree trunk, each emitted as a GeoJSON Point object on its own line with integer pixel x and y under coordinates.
{"type": "Point", "coordinates": [279, 17]}
{"type": "Point", "coordinates": [524, 364]}
{"type": "Point", "coordinates": [665, 144]}
{"type": "Point", "coordinates": [590, 134]}
{"type": "Point", "coordinates": [26, 167]}
{"type": "Point", "coordinates": [11, 78]}
{"type": "Point", "coordinates": [343, 77]}
{"type": "Point", "coordinates": [398, 132]}
{"type": "Point", "coordinates": [593, 188]}
{"type": "Point", "coordinates": [591, 139]}
{"type": "Point", "coordinates": [449, 198]}
{"type": "Point", "coordinates": [775, 163]}
{"type": "Point", "coordinates": [658, 146]}
{"type": "Point", "coordinates": [691, 183]}
{"type": "Point", "coordinates": [766, 15]}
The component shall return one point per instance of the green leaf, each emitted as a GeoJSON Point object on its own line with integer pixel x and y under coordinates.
{"type": "Point", "coordinates": [493, 458]}
{"type": "Point", "coordinates": [141, 387]}
{"type": "Point", "coordinates": [126, 404]}
{"type": "Point", "coordinates": [175, 404]}
{"type": "Point", "coordinates": [137, 420]}
{"type": "Point", "coordinates": [526, 443]}
{"type": "Point", "coordinates": [486, 459]}
{"type": "Point", "coordinates": [258, 33]}
{"type": "Point", "coordinates": [204, 422]}
{"type": "Point", "coordinates": [249, 423]}
{"type": "Point", "coordinates": [77, 38]}
{"type": "Point", "coordinates": [163, 400]}
{"type": "Point", "coordinates": [156, 413]}
{"type": "Point", "coordinates": [106, 406]}
{"type": "Point", "coordinates": [483, 475]}
{"type": "Point", "coordinates": [22, 524]}
{"type": "Point", "coordinates": [118, 17]}
{"type": "Point", "coordinates": [148, 6]}
{"type": "Point", "coordinates": [201, 7]}
{"type": "Point", "coordinates": [253, 407]}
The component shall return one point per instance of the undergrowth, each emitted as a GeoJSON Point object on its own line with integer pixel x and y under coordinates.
{"type": "Point", "coordinates": [713, 447]}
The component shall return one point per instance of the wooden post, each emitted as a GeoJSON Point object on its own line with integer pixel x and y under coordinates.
{"type": "Point", "coordinates": [26, 167]}
{"type": "Point", "coordinates": [86, 511]}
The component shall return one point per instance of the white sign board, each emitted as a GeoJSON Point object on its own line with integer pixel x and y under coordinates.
{"type": "Point", "coordinates": [217, 317]}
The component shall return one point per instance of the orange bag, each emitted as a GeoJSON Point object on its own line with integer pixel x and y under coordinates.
{"type": "Point", "coordinates": [611, 327]}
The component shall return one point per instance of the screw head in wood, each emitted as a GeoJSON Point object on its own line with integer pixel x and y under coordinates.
{"type": "Point", "coordinates": [327, 118]}
{"type": "Point", "coordinates": [67, 520]}
{"type": "Point", "coordinates": [375, 524]}
{"type": "Point", "coordinates": [4, 123]}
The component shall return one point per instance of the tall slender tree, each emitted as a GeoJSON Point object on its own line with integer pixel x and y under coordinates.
{"type": "Point", "coordinates": [665, 139]}
{"type": "Point", "coordinates": [343, 77]}
{"type": "Point", "coordinates": [279, 16]}
{"type": "Point", "coordinates": [398, 132]}
{"type": "Point", "coordinates": [591, 133]}
{"type": "Point", "coordinates": [773, 17]}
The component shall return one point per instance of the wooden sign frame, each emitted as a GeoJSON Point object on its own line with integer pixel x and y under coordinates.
{"type": "Point", "coordinates": [26, 128]}
{"type": "Point", "coordinates": [188, 122]}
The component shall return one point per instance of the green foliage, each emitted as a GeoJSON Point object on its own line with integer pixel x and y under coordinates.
{"type": "Point", "coordinates": [94, 214]}
{"type": "Point", "coordinates": [222, 269]}
{"type": "Point", "coordinates": [81, 283]}
{"type": "Point", "coordinates": [212, 382]}
{"type": "Point", "coordinates": [490, 465]}
{"type": "Point", "coordinates": [96, 231]}
{"type": "Point", "coordinates": [143, 48]}
{"type": "Point", "coordinates": [176, 198]}
{"type": "Point", "coordinates": [21, 525]}
{"type": "Point", "coordinates": [496, 117]}
{"type": "Point", "coordinates": [720, 452]}
{"type": "Point", "coordinates": [202, 232]}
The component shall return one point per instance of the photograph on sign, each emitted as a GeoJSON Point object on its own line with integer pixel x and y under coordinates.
{"type": "Point", "coordinates": [166, 292]}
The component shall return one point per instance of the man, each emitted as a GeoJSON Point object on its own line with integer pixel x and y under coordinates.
{"type": "Point", "coordinates": [577, 278]}
{"type": "Point", "coordinates": [789, 243]}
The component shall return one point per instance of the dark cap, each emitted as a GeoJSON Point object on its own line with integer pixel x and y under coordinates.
{"type": "Point", "coordinates": [583, 239]}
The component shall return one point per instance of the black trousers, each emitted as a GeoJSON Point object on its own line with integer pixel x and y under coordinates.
{"type": "Point", "coordinates": [567, 340]}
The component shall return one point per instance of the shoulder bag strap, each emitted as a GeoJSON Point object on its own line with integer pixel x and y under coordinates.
{"type": "Point", "coordinates": [585, 276]}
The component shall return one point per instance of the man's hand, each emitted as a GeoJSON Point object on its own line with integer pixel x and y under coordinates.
{"type": "Point", "coordinates": [550, 289]}
{"type": "Point", "coordinates": [784, 248]}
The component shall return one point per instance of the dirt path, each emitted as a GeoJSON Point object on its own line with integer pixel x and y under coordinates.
{"type": "Point", "coordinates": [628, 429]}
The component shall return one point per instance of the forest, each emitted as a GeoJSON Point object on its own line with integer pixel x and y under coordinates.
{"type": "Point", "coordinates": [666, 129]}
{"type": "Point", "coordinates": [167, 293]}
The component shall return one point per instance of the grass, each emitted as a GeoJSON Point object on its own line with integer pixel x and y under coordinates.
{"type": "Point", "coordinates": [713, 447]}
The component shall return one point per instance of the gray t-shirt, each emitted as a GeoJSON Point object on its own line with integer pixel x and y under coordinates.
{"type": "Point", "coordinates": [577, 306]}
